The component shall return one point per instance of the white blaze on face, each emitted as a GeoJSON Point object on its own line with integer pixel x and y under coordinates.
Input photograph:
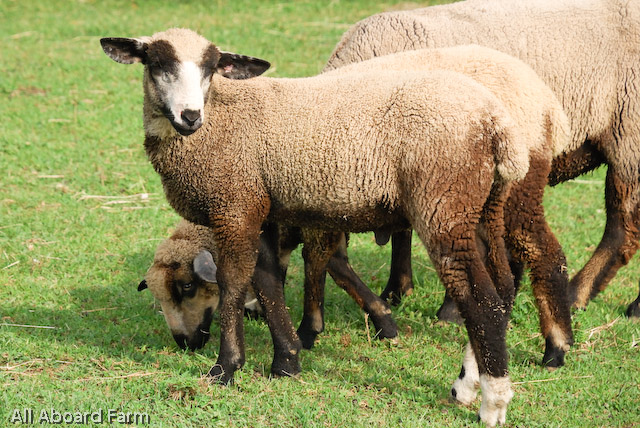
{"type": "Point", "coordinates": [174, 319]}
{"type": "Point", "coordinates": [184, 94]}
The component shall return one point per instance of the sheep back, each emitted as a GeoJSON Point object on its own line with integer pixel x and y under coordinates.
{"type": "Point", "coordinates": [531, 104]}
{"type": "Point", "coordinates": [337, 145]}
{"type": "Point", "coordinates": [585, 50]}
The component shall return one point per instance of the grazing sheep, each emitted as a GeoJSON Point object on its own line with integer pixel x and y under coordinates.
{"type": "Point", "coordinates": [435, 151]}
{"type": "Point", "coordinates": [183, 279]}
{"type": "Point", "coordinates": [586, 51]}
{"type": "Point", "coordinates": [534, 107]}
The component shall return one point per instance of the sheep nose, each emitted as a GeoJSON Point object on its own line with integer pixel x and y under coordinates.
{"type": "Point", "coordinates": [190, 116]}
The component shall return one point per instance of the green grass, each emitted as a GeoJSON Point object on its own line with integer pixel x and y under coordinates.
{"type": "Point", "coordinates": [81, 211]}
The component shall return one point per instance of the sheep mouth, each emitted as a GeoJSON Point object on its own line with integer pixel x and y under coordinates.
{"type": "Point", "coordinates": [201, 335]}
{"type": "Point", "coordinates": [183, 130]}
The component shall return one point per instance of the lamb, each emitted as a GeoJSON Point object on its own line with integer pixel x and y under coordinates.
{"type": "Point", "coordinates": [585, 50]}
{"type": "Point", "coordinates": [183, 280]}
{"type": "Point", "coordinates": [532, 104]}
{"type": "Point", "coordinates": [435, 151]}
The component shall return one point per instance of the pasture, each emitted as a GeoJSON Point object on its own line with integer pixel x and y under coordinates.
{"type": "Point", "coordinates": [81, 212]}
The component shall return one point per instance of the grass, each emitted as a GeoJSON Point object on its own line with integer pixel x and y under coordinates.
{"type": "Point", "coordinates": [81, 211]}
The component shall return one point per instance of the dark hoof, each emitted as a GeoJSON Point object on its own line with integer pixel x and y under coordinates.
{"type": "Point", "coordinates": [386, 327]}
{"type": "Point", "coordinates": [633, 311]}
{"type": "Point", "coordinates": [219, 375]}
{"type": "Point", "coordinates": [307, 337]}
{"type": "Point", "coordinates": [553, 356]}
{"type": "Point", "coordinates": [285, 364]}
{"type": "Point", "coordinates": [448, 312]}
{"type": "Point", "coordinates": [393, 293]}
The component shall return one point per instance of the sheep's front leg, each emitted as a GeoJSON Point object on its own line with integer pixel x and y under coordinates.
{"type": "Point", "coordinates": [268, 287]}
{"type": "Point", "coordinates": [235, 269]}
{"type": "Point", "coordinates": [400, 281]}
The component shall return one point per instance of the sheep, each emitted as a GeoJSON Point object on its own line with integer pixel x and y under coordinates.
{"type": "Point", "coordinates": [435, 151]}
{"type": "Point", "coordinates": [585, 50]}
{"type": "Point", "coordinates": [531, 103]}
{"type": "Point", "coordinates": [183, 280]}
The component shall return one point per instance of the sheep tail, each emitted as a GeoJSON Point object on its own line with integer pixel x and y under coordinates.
{"type": "Point", "coordinates": [510, 149]}
{"type": "Point", "coordinates": [558, 130]}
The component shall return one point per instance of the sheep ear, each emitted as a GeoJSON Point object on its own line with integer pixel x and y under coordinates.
{"type": "Point", "coordinates": [204, 267]}
{"type": "Point", "coordinates": [124, 50]}
{"type": "Point", "coordinates": [142, 285]}
{"type": "Point", "coordinates": [238, 67]}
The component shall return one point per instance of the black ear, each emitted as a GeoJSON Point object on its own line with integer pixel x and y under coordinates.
{"type": "Point", "coordinates": [204, 267]}
{"type": "Point", "coordinates": [234, 66]}
{"type": "Point", "coordinates": [142, 285]}
{"type": "Point", "coordinates": [124, 50]}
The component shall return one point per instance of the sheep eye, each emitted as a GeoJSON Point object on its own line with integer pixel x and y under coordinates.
{"type": "Point", "coordinates": [187, 286]}
{"type": "Point", "coordinates": [158, 73]}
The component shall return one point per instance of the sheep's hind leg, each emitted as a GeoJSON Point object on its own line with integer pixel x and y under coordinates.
{"type": "Point", "coordinates": [532, 242]}
{"type": "Point", "coordinates": [465, 388]}
{"type": "Point", "coordinates": [486, 316]}
{"type": "Point", "coordinates": [400, 281]}
{"type": "Point", "coordinates": [378, 310]}
{"type": "Point", "coordinates": [619, 241]}
{"type": "Point", "coordinates": [485, 307]}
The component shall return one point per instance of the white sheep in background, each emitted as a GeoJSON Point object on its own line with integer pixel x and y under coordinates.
{"type": "Point", "coordinates": [587, 52]}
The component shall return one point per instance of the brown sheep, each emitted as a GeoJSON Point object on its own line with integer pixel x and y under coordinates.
{"type": "Point", "coordinates": [432, 150]}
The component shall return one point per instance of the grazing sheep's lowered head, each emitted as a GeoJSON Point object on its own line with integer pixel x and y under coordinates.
{"type": "Point", "coordinates": [183, 280]}
{"type": "Point", "coordinates": [177, 82]}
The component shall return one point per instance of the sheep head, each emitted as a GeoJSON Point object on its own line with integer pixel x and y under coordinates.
{"type": "Point", "coordinates": [179, 64]}
{"type": "Point", "coordinates": [188, 294]}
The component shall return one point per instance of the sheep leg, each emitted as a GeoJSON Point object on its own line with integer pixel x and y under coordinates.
{"type": "Point", "coordinates": [400, 281]}
{"type": "Point", "coordinates": [448, 311]}
{"type": "Point", "coordinates": [290, 238]}
{"type": "Point", "coordinates": [233, 281]}
{"type": "Point", "coordinates": [270, 294]}
{"type": "Point", "coordinates": [532, 242]}
{"type": "Point", "coordinates": [344, 275]}
{"type": "Point", "coordinates": [619, 241]}
{"type": "Point", "coordinates": [634, 308]}
{"type": "Point", "coordinates": [486, 315]}
{"type": "Point", "coordinates": [485, 307]}
{"type": "Point", "coordinates": [317, 250]}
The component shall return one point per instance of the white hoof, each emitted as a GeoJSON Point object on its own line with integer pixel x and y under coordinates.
{"type": "Point", "coordinates": [496, 395]}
